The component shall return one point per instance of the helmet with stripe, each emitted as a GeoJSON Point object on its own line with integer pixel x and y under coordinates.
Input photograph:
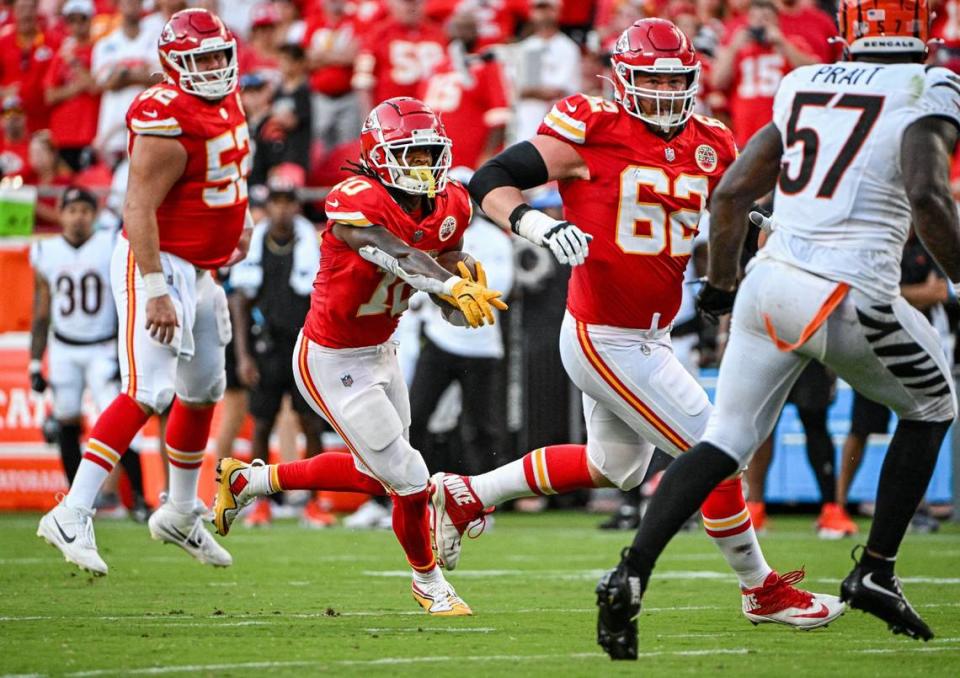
{"type": "Point", "coordinates": [193, 33]}
{"type": "Point", "coordinates": [885, 26]}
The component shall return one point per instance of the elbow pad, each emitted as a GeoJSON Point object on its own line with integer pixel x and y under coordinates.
{"type": "Point", "coordinates": [520, 166]}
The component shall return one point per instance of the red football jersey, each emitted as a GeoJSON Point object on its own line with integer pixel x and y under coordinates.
{"type": "Point", "coordinates": [355, 303]}
{"type": "Point", "coordinates": [202, 217]}
{"type": "Point", "coordinates": [470, 104]}
{"type": "Point", "coordinates": [642, 205]}
{"type": "Point", "coordinates": [395, 58]}
{"type": "Point", "coordinates": [758, 70]}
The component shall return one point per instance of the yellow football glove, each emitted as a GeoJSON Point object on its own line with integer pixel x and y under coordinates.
{"type": "Point", "coordinates": [474, 299]}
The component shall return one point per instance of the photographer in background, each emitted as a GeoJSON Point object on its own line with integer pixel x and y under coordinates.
{"type": "Point", "coordinates": [273, 286]}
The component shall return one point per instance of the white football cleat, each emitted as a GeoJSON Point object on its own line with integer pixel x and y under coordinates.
{"type": "Point", "coordinates": [234, 491]}
{"type": "Point", "coordinates": [186, 530]}
{"type": "Point", "coordinates": [440, 600]}
{"type": "Point", "coordinates": [778, 601]}
{"type": "Point", "coordinates": [368, 517]}
{"type": "Point", "coordinates": [71, 531]}
{"type": "Point", "coordinates": [454, 509]}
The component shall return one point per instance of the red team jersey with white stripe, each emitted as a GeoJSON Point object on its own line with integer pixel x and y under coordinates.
{"type": "Point", "coordinates": [202, 217]}
{"type": "Point", "coordinates": [355, 303]}
{"type": "Point", "coordinates": [642, 206]}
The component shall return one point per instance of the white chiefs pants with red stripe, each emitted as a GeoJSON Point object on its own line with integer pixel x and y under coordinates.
{"type": "Point", "coordinates": [192, 365]}
{"type": "Point", "coordinates": [361, 393]}
{"type": "Point", "coordinates": [636, 396]}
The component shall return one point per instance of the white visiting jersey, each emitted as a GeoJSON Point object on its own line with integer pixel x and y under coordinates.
{"type": "Point", "coordinates": [82, 309]}
{"type": "Point", "coordinates": [840, 208]}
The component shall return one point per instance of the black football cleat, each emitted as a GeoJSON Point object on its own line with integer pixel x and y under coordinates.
{"type": "Point", "coordinates": [618, 597]}
{"type": "Point", "coordinates": [879, 593]}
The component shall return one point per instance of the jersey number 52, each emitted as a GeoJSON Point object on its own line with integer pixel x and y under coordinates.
{"type": "Point", "coordinates": [230, 177]}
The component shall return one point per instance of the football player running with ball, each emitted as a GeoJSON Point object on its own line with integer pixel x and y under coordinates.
{"type": "Point", "coordinates": [856, 151]}
{"type": "Point", "coordinates": [385, 228]}
{"type": "Point", "coordinates": [635, 176]}
{"type": "Point", "coordinates": [185, 214]}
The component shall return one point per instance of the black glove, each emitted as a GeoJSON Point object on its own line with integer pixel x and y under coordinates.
{"type": "Point", "coordinates": [712, 302]}
{"type": "Point", "coordinates": [37, 382]}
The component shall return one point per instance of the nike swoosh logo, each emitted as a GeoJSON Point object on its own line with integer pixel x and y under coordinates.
{"type": "Point", "coordinates": [824, 611]}
{"type": "Point", "coordinates": [334, 203]}
{"type": "Point", "coordinates": [63, 534]}
{"type": "Point", "coordinates": [570, 108]}
{"type": "Point", "coordinates": [869, 583]}
{"type": "Point", "coordinates": [151, 114]}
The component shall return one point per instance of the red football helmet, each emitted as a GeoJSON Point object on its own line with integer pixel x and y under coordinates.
{"type": "Point", "coordinates": [392, 130]}
{"type": "Point", "coordinates": [884, 26]}
{"type": "Point", "coordinates": [191, 33]}
{"type": "Point", "coordinates": [655, 46]}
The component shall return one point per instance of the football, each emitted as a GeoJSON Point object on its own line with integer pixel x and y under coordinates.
{"type": "Point", "coordinates": [449, 261]}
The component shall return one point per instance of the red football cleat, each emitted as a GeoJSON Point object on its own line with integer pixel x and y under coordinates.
{"type": "Point", "coordinates": [315, 518]}
{"type": "Point", "coordinates": [454, 507]}
{"type": "Point", "coordinates": [778, 601]}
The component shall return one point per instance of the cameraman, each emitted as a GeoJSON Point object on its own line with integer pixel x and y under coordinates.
{"type": "Point", "coordinates": [273, 286]}
{"type": "Point", "coordinates": [750, 66]}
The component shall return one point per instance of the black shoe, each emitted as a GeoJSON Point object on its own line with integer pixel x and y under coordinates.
{"type": "Point", "coordinates": [879, 593]}
{"type": "Point", "coordinates": [140, 513]}
{"type": "Point", "coordinates": [618, 597]}
{"type": "Point", "coordinates": [627, 517]}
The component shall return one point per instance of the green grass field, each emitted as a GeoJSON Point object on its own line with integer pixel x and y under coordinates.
{"type": "Point", "coordinates": [301, 603]}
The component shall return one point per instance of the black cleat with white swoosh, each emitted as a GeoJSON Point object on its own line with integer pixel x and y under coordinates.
{"type": "Point", "coordinates": [879, 593]}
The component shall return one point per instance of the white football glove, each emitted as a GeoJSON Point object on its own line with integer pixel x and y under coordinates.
{"type": "Point", "coordinates": [566, 241]}
{"type": "Point", "coordinates": [762, 222]}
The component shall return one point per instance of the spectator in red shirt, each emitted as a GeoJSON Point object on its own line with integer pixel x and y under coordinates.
{"type": "Point", "coordinates": [14, 142]}
{"type": "Point", "coordinates": [469, 92]}
{"type": "Point", "coordinates": [71, 90]}
{"type": "Point", "coordinates": [50, 173]}
{"type": "Point", "coordinates": [752, 64]}
{"type": "Point", "coordinates": [331, 44]}
{"type": "Point", "coordinates": [497, 20]}
{"type": "Point", "coordinates": [397, 54]}
{"type": "Point", "coordinates": [260, 54]}
{"type": "Point", "coordinates": [25, 54]}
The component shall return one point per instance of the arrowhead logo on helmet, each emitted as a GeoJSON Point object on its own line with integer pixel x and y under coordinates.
{"type": "Point", "coordinates": [404, 144]}
{"type": "Point", "coordinates": [655, 47]}
{"type": "Point", "coordinates": [188, 37]}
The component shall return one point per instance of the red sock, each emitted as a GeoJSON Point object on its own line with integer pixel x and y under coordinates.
{"type": "Point", "coordinates": [557, 469]}
{"type": "Point", "coordinates": [333, 471]}
{"type": "Point", "coordinates": [114, 431]}
{"type": "Point", "coordinates": [725, 512]}
{"type": "Point", "coordinates": [188, 429]}
{"type": "Point", "coordinates": [412, 529]}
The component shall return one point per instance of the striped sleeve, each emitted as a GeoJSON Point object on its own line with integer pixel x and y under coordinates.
{"type": "Point", "coordinates": [565, 125]}
{"type": "Point", "coordinates": [160, 127]}
{"type": "Point", "coordinates": [349, 218]}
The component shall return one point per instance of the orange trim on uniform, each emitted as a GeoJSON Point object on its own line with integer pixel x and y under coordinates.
{"type": "Point", "coordinates": [829, 306]}
{"type": "Point", "coordinates": [314, 393]}
{"type": "Point", "coordinates": [614, 382]}
{"type": "Point", "coordinates": [131, 320]}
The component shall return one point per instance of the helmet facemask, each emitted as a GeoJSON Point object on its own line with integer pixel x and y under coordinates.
{"type": "Point", "coordinates": [416, 179]}
{"type": "Point", "coordinates": [208, 84]}
{"type": "Point", "coordinates": [673, 107]}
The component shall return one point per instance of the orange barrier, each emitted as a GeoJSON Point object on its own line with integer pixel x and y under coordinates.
{"type": "Point", "coordinates": [17, 277]}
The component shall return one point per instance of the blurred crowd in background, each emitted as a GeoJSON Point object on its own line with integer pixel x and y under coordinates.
{"type": "Point", "coordinates": [310, 71]}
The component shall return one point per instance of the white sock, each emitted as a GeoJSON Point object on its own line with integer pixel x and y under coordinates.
{"type": "Point", "coordinates": [743, 554]}
{"type": "Point", "coordinates": [183, 488]}
{"type": "Point", "coordinates": [425, 578]}
{"type": "Point", "coordinates": [502, 484]}
{"type": "Point", "coordinates": [259, 479]}
{"type": "Point", "coordinates": [86, 485]}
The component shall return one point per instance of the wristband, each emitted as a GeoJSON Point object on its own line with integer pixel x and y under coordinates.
{"type": "Point", "coordinates": [155, 285]}
{"type": "Point", "coordinates": [36, 367]}
{"type": "Point", "coordinates": [516, 215]}
{"type": "Point", "coordinates": [449, 284]}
